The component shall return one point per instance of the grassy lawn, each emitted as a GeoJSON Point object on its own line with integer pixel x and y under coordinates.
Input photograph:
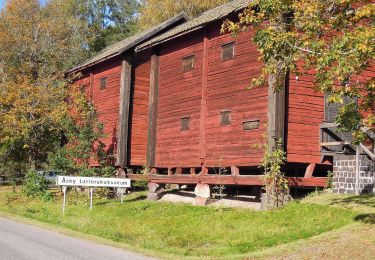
{"type": "Point", "coordinates": [172, 230]}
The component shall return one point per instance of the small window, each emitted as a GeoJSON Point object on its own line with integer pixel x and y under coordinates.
{"type": "Point", "coordinates": [227, 51]}
{"type": "Point", "coordinates": [188, 63]}
{"type": "Point", "coordinates": [185, 123]}
{"type": "Point", "coordinates": [225, 118]}
{"type": "Point", "coordinates": [103, 83]}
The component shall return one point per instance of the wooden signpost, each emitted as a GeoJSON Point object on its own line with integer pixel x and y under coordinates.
{"type": "Point", "coordinates": [91, 182]}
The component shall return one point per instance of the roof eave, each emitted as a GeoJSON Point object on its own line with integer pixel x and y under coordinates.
{"type": "Point", "coordinates": [180, 17]}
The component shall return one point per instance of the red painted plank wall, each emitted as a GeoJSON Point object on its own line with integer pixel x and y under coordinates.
{"type": "Point", "coordinates": [106, 101]}
{"type": "Point", "coordinates": [227, 89]}
{"type": "Point", "coordinates": [305, 114]}
{"type": "Point", "coordinates": [179, 96]}
{"type": "Point", "coordinates": [139, 108]}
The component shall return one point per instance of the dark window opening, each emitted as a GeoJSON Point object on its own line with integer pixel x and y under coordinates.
{"type": "Point", "coordinates": [185, 123]}
{"type": "Point", "coordinates": [227, 51]}
{"type": "Point", "coordinates": [225, 118]}
{"type": "Point", "coordinates": [188, 63]}
{"type": "Point", "coordinates": [103, 83]}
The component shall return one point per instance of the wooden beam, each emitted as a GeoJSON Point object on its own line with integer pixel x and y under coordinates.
{"type": "Point", "coordinates": [310, 170]}
{"type": "Point", "coordinates": [203, 115]}
{"type": "Point", "coordinates": [153, 111]}
{"type": "Point", "coordinates": [244, 180]}
{"type": "Point", "coordinates": [123, 126]}
{"type": "Point", "coordinates": [367, 151]}
{"type": "Point", "coordinates": [334, 143]}
{"type": "Point", "coordinates": [276, 109]}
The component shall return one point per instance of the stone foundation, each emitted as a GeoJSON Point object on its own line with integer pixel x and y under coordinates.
{"type": "Point", "coordinates": [344, 174]}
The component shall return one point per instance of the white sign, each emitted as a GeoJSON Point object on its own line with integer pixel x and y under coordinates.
{"type": "Point", "coordinates": [93, 182]}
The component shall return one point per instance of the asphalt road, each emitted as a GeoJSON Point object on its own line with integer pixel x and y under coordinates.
{"type": "Point", "coordinates": [20, 241]}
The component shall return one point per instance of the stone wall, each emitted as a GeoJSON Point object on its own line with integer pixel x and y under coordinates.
{"type": "Point", "coordinates": [344, 174]}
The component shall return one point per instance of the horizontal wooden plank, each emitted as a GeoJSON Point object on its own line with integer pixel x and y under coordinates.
{"type": "Point", "coordinates": [245, 180]}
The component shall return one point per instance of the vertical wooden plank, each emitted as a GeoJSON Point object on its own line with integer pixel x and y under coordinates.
{"type": "Point", "coordinates": [91, 89]}
{"type": "Point", "coordinates": [123, 126]}
{"type": "Point", "coordinates": [153, 111]}
{"type": "Point", "coordinates": [276, 110]}
{"type": "Point", "coordinates": [203, 117]}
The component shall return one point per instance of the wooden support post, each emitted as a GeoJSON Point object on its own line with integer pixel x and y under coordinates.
{"type": "Point", "coordinates": [153, 171]}
{"type": "Point", "coordinates": [123, 126]}
{"type": "Point", "coordinates": [357, 175]}
{"type": "Point", "coordinates": [192, 171]}
{"type": "Point", "coordinates": [91, 88]}
{"type": "Point", "coordinates": [276, 109]}
{"type": "Point", "coordinates": [204, 171]}
{"type": "Point", "coordinates": [153, 111]}
{"type": "Point", "coordinates": [310, 170]}
{"type": "Point", "coordinates": [203, 116]}
{"type": "Point", "coordinates": [170, 171]}
{"type": "Point", "coordinates": [234, 171]}
{"type": "Point", "coordinates": [178, 171]}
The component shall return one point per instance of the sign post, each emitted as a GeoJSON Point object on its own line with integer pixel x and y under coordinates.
{"type": "Point", "coordinates": [91, 191]}
{"type": "Point", "coordinates": [90, 182]}
{"type": "Point", "coordinates": [64, 199]}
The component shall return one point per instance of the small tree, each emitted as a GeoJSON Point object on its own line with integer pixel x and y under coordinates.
{"type": "Point", "coordinates": [276, 187]}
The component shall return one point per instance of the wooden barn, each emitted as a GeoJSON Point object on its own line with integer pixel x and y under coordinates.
{"type": "Point", "coordinates": [175, 100]}
{"type": "Point", "coordinates": [203, 117]}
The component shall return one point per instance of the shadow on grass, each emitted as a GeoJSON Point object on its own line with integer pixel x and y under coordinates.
{"type": "Point", "coordinates": [118, 200]}
{"type": "Point", "coordinates": [366, 218]}
{"type": "Point", "coordinates": [363, 200]}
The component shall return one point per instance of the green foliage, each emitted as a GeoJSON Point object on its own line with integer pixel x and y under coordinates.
{"type": "Point", "coordinates": [35, 185]}
{"type": "Point", "coordinates": [276, 186]}
{"type": "Point", "coordinates": [333, 40]}
{"type": "Point", "coordinates": [37, 44]}
{"type": "Point", "coordinates": [153, 12]}
{"type": "Point", "coordinates": [330, 179]}
{"type": "Point", "coordinates": [140, 185]}
{"type": "Point", "coordinates": [107, 21]}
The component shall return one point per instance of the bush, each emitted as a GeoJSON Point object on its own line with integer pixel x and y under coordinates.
{"type": "Point", "coordinates": [35, 185]}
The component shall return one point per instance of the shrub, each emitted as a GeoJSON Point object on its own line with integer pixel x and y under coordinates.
{"type": "Point", "coordinates": [35, 185]}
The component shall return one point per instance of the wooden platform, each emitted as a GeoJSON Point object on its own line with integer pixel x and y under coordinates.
{"type": "Point", "coordinates": [245, 180]}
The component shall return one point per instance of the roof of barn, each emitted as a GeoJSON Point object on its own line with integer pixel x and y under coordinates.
{"type": "Point", "coordinates": [197, 23]}
{"type": "Point", "coordinates": [128, 43]}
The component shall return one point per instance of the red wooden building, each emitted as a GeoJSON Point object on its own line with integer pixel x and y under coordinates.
{"type": "Point", "coordinates": [117, 80]}
{"type": "Point", "coordinates": [176, 99]}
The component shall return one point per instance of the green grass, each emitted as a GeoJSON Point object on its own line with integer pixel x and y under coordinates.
{"type": "Point", "coordinates": [182, 230]}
